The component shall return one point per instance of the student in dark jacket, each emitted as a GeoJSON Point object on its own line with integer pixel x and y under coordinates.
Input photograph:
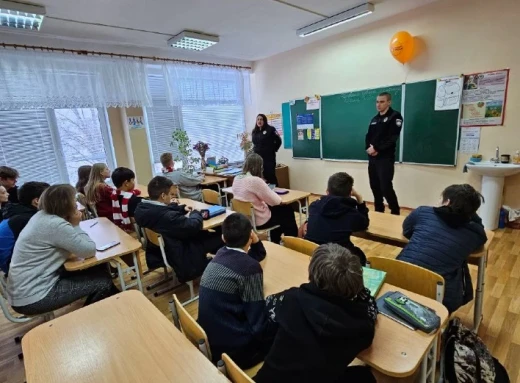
{"type": "Point", "coordinates": [323, 324]}
{"type": "Point", "coordinates": [266, 141]}
{"type": "Point", "coordinates": [231, 297]}
{"type": "Point", "coordinates": [442, 238]}
{"type": "Point", "coordinates": [8, 178]}
{"type": "Point", "coordinates": [333, 218]}
{"type": "Point", "coordinates": [16, 217]}
{"type": "Point", "coordinates": [187, 245]}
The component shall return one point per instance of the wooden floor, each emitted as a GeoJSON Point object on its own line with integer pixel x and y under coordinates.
{"type": "Point", "coordinates": [500, 329]}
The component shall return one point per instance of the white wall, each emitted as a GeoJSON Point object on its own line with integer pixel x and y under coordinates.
{"type": "Point", "coordinates": [454, 37]}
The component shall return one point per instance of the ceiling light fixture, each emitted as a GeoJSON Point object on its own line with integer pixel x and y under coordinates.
{"type": "Point", "coordinates": [361, 10]}
{"type": "Point", "coordinates": [21, 16]}
{"type": "Point", "coordinates": [193, 41]}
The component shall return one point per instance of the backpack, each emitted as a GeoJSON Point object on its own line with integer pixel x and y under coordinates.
{"type": "Point", "coordinates": [466, 359]}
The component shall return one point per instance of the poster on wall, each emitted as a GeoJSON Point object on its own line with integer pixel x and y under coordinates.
{"type": "Point", "coordinates": [304, 121]}
{"type": "Point", "coordinates": [484, 98]}
{"type": "Point", "coordinates": [448, 93]}
{"type": "Point", "coordinates": [275, 120]}
{"type": "Point", "coordinates": [469, 140]}
{"type": "Point", "coordinates": [136, 122]}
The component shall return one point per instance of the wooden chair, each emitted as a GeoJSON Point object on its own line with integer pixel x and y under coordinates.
{"type": "Point", "coordinates": [410, 277]}
{"type": "Point", "coordinates": [248, 210]}
{"type": "Point", "coordinates": [211, 197]}
{"type": "Point", "coordinates": [189, 326]}
{"type": "Point", "coordinates": [300, 245]}
{"type": "Point", "coordinates": [157, 240]}
{"type": "Point", "coordinates": [230, 369]}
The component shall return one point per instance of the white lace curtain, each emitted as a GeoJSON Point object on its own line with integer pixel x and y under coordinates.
{"type": "Point", "coordinates": [200, 85]}
{"type": "Point", "coordinates": [36, 80]}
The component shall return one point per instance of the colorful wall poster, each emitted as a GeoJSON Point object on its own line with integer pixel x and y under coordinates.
{"type": "Point", "coordinates": [304, 121]}
{"type": "Point", "coordinates": [275, 120]}
{"type": "Point", "coordinates": [136, 122]}
{"type": "Point", "coordinates": [484, 98]}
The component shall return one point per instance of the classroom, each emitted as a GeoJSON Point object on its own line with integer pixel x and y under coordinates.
{"type": "Point", "coordinates": [187, 189]}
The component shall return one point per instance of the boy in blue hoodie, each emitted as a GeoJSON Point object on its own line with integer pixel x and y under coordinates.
{"type": "Point", "coordinates": [334, 217]}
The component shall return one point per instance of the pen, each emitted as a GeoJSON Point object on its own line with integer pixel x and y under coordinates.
{"type": "Point", "coordinates": [94, 224]}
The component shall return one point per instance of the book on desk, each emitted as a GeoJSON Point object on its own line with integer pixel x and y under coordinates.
{"type": "Point", "coordinates": [373, 280]}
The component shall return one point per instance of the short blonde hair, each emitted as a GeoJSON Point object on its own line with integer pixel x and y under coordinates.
{"type": "Point", "coordinates": [59, 200]}
{"type": "Point", "coordinates": [166, 159]}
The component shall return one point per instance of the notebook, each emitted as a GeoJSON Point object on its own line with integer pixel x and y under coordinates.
{"type": "Point", "coordinates": [373, 280]}
{"type": "Point", "coordinates": [281, 191]}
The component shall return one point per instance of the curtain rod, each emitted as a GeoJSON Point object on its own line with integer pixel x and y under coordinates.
{"type": "Point", "coordinates": [112, 55]}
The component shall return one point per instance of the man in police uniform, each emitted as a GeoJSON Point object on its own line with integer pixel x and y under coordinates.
{"type": "Point", "coordinates": [381, 142]}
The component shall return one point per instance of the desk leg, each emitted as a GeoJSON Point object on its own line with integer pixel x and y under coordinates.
{"type": "Point", "coordinates": [137, 265]}
{"type": "Point", "coordinates": [479, 292]}
{"type": "Point", "coordinates": [301, 212]}
{"type": "Point", "coordinates": [121, 275]}
{"type": "Point", "coordinates": [429, 363]}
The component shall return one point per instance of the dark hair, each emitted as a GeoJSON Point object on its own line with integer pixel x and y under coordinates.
{"type": "Point", "coordinates": [59, 200]}
{"type": "Point", "coordinates": [387, 95]}
{"type": "Point", "coordinates": [340, 184]}
{"type": "Point", "coordinates": [464, 199]}
{"type": "Point", "coordinates": [120, 175]}
{"type": "Point", "coordinates": [166, 159]}
{"type": "Point", "coordinates": [83, 176]}
{"type": "Point", "coordinates": [264, 117]}
{"type": "Point", "coordinates": [159, 185]}
{"type": "Point", "coordinates": [336, 270]}
{"type": "Point", "coordinates": [236, 230]}
{"type": "Point", "coordinates": [254, 164]}
{"type": "Point", "coordinates": [31, 190]}
{"type": "Point", "coordinates": [7, 172]}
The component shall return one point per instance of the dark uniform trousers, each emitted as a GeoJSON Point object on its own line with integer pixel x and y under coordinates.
{"type": "Point", "coordinates": [381, 174]}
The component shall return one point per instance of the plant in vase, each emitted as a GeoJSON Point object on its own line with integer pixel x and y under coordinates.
{"type": "Point", "coordinates": [245, 143]}
{"type": "Point", "coordinates": [182, 142]}
{"type": "Point", "coordinates": [202, 147]}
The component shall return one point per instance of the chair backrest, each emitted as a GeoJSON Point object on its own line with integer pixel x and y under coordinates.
{"type": "Point", "coordinates": [211, 196]}
{"type": "Point", "coordinates": [233, 372]}
{"type": "Point", "coordinates": [157, 239]}
{"type": "Point", "coordinates": [300, 245]}
{"type": "Point", "coordinates": [410, 277]}
{"type": "Point", "coordinates": [190, 327]}
{"type": "Point", "coordinates": [245, 208]}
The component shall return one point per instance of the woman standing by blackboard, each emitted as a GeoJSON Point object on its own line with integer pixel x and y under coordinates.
{"type": "Point", "coordinates": [266, 143]}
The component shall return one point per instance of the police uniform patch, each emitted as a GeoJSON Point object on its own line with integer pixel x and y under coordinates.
{"type": "Point", "coordinates": [386, 119]}
{"type": "Point", "coordinates": [399, 123]}
{"type": "Point", "coordinates": [265, 131]}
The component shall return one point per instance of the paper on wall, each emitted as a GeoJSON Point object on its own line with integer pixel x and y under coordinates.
{"type": "Point", "coordinates": [275, 120]}
{"type": "Point", "coordinates": [448, 93]}
{"type": "Point", "coordinates": [313, 103]}
{"type": "Point", "coordinates": [304, 121]}
{"type": "Point", "coordinates": [469, 140]}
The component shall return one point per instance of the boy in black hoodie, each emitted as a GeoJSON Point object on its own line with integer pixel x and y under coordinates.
{"type": "Point", "coordinates": [16, 217]}
{"type": "Point", "coordinates": [323, 324]}
{"type": "Point", "coordinates": [333, 218]}
{"type": "Point", "coordinates": [186, 244]}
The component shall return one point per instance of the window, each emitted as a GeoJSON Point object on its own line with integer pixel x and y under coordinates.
{"type": "Point", "coordinates": [49, 145]}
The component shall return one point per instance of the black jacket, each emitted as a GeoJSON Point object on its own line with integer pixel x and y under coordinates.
{"type": "Point", "coordinates": [266, 142]}
{"type": "Point", "coordinates": [183, 238]}
{"type": "Point", "coordinates": [383, 133]}
{"type": "Point", "coordinates": [13, 195]}
{"type": "Point", "coordinates": [333, 219]}
{"type": "Point", "coordinates": [319, 334]}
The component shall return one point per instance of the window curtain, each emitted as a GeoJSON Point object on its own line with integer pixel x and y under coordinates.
{"type": "Point", "coordinates": [38, 80]}
{"type": "Point", "coordinates": [193, 85]}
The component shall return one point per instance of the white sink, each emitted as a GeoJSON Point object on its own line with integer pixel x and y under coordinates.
{"type": "Point", "coordinates": [493, 175]}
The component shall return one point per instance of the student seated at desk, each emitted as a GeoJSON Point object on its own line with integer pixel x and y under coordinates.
{"type": "Point", "coordinates": [38, 282]}
{"type": "Point", "coordinates": [99, 193]}
{"type": "Point", "coordinates": [250, 187]}
{"type": "Point", "coordinates": [124, 198]}
{"type": "Point", "coordinates": [334, 217]}
{"type": "Point", "coordinates": [323, 324]}
{"type": "Point", "coordinates": [186, 244]}
{"type": "Point", "coordinates": [83, 177]}
{"type": "Point", "coordinates": [188, 184]}
{"type": "Point", "coordinates": [4, 198]}
{"type": "Point", "coordinates": [442, 238]}
{"type": "Point", "coordinates": [231, 297]}
{"type": "Point", "coordinates": [17, 215]}
{"type": "Point", "coordinates": [8, 178]}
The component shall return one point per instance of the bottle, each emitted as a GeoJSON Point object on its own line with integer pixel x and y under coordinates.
{"type": "Point", "coordinates": [502, 219]}
{"type": "Point", "coordinates": [516, 158]}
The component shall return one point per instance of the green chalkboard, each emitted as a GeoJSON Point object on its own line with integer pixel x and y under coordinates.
{"type": "Point", "coordinates": [345, 120]}
{"type": "Point", "coordinates": [429, 136]}
{"type": "Point", "coordinates": [305, 148]}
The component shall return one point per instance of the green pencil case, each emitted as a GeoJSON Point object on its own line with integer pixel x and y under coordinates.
{"type": "Point", "coordinates": [414, 313]}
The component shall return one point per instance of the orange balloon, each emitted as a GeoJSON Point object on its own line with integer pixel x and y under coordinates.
{"type": "Point", "coordinates": [402, 46]}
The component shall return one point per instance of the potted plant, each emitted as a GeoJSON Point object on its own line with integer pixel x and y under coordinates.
{"type": "Point", "coordinates": [202, 147]}
{"type": "Point", "coordinates": [182, 142]}
{"type": "Point", "coordinates": [245, 143]}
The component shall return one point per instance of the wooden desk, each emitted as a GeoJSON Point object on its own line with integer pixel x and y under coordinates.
{"type": "Point", "coordinates": [388, 228]}
{"type": "Point", "coordinates": [104, 232]}
{"type": "Point", "coordinates": [210, 223]}
{"type": "Point", "coordinates": [143, 189]}
{"type": "Point", "coordinates": [289, 198]}
{"type": "Point", "coordinates": [124, 338]}
{"type": "Point", "coordinates": [396, 351]}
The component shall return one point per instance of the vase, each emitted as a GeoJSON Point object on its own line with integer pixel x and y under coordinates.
{"type": "Point", "coordinates": [203, 164]}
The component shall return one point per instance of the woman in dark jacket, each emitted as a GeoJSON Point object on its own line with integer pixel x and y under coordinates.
{"type": "Point", "coordinates": [442, 238]}
{"type": "Point", "coordinates": [266, 143]}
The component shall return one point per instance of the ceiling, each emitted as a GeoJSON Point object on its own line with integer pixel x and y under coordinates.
{"type": "Point", "coordinates": [249, 30]}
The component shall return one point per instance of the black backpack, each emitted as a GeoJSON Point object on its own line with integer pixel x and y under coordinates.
{"type": "Point", "coordinates": [466, 359]}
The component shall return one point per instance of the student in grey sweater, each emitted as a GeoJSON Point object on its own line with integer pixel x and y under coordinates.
{"type": "Point", "coordinates": [37, 281]}
{"type": "Point", "coordinates": [188, 183]}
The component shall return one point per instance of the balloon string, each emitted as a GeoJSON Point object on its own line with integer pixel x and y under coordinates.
{"type": "Point", "coordinates": [406, 72]}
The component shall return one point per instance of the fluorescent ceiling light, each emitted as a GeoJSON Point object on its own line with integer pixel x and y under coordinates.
{"type": "Point", "coordinates": [21, 16]}
{"type": "Point", "coordinates": [361, 10]}
{"type": "Point", "coordinates": [193, 41]}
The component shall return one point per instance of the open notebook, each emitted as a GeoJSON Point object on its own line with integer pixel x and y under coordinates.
{"type": "Point", "coordinates": [373, 279]}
